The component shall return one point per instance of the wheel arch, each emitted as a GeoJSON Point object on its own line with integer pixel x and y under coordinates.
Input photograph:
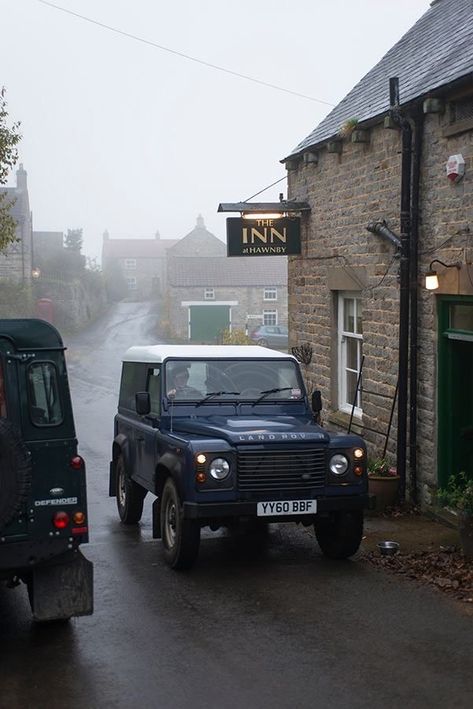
{"type": "Point", "coordinates": [120, 446]}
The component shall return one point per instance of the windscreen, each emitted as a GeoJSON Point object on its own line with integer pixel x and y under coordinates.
{"type": "Point", "coordinates": [249, 379]}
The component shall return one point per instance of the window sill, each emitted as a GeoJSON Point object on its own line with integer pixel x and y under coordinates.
{"type": "Point", "coordinates": [342, 420]}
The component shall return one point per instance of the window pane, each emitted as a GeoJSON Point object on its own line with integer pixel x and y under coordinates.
{"type": "Point", "coordinates": [351, 386]}
{"type": "Point", "coordinates": [359, 319]}
{"type": "Point", "coordinates": [154, 389]}
{"type": "Point", "coordinates": [461, 317]}
{"type": "Point", "coordinates": [352, 353]}
{"type": "Point", "coordinates": [45, 407]}
{"type": "Point", "coordinates": [270, 317]}
{"type": "Point", "coordinates": [349, 315]}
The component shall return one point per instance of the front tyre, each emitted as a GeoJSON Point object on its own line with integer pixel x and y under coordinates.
{"type": "Point", "coordinates": [181, 537]}
{"type": "Point", "coordinates": [130, 495]}
{"type": "Point", "coordinates": [339, 535]}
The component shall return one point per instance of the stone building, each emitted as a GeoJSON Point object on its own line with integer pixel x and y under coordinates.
{"type": "Point", "coordinates": [207, 292]}
{"type": "Point", "coordinates": [344, 289]}
{"type": "Point", "coordinates": [16, 260]}
{"type": "Point", "coordinates": [141, 261]}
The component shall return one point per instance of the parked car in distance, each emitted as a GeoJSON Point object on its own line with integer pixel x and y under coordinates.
{"type": "Point", "coordinates": [275, 336]}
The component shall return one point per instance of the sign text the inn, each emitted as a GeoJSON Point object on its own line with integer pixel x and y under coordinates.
{"type": "Point", "coordinates": [263, 237]}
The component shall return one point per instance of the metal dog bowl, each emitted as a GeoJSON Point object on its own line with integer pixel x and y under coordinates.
{"type": "Point", "coordinates": [388, 548]}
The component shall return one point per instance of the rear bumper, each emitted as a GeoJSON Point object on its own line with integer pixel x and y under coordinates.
{"type": "Point", "coordinates": [218, 510]}
{"type": "Point", "coordinates": [21, 556]}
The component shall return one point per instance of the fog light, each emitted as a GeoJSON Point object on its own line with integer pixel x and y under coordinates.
{"type": "Point", "coordinates": [358, 453]}
{"type": "Point", "coordinates": [201, 458]}
{"type": "Point", "coordinates": [61, 520]}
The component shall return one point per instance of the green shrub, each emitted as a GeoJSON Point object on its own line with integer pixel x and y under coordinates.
{"type": "Point", "coordinates": [458, 494]}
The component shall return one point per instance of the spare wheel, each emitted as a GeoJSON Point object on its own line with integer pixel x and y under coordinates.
{"type": "Point", "coordinates": [15, 472]}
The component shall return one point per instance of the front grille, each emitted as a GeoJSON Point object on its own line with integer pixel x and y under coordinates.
{"type": "Point", "coordinates": [280, 470]}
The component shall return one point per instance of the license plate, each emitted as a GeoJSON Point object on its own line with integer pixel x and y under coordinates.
{"type": "Point", "coordinates": [286, 507]}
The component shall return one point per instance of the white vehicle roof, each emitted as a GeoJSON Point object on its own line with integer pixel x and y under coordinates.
{"type": "Point", "coordinates": [160, 353]}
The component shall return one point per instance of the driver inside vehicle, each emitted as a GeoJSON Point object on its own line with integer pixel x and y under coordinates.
{"type": "Point", "coordinates": [178, 375]}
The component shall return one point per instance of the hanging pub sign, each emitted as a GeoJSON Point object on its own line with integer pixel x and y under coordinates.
{"type": "Point", "coordinates": [263, 236]}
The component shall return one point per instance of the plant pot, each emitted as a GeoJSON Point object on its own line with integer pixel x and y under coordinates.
{"type": "Point", "coordinates": [385, 488]}
{"type": "Point", "coordinates": [465, 529]}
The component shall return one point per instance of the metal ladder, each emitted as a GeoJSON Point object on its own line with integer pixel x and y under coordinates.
{"type": "Point", "coordinates": [361, 389]}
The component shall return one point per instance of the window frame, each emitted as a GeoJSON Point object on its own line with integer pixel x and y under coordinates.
{"type": "Point", "coordinates": [343, 336]}
{"type": "Point", "coordinates": [129, 264]}
{"type": "Point", "coordinates": [270, 293]}
{"type": "Point", "coordinates": [154, 374]}
{"type": "Point", "coordinates": [53, 368]}
{"type": "Point", "coordinates": [209, 293]}
{"type": "Point", "coordinates": [268, 314]}
{"type": "Point", "coordinates": [131, 283]}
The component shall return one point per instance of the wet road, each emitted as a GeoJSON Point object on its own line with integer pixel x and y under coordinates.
{"type": "Point", "coordinates": [274, 625]}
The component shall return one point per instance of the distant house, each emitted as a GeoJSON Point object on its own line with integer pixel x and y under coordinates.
{"type": "Point", "coordinates": [46, 243]}
{"type": "Point", "coordinates": [347, 286]}
{"type": "Point", "coordinates": [208, 292]}
{"type": "Point", "coordinates": [16, 260]}
{"type": "Point", "coordinates": [141, 261]}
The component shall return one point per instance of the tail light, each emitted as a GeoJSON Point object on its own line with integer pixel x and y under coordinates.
{"type": "Point", "coordinates": [61, 520]}
{"type": "Point", "coordinates": [77, 463]}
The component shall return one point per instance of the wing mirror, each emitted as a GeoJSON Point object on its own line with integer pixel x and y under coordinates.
{"type": "Point", "coordinates": [142, 403]}
{"type": "Point", "coordinates": [317, 402]}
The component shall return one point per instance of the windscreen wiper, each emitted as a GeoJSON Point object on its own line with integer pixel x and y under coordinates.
{"type": "Point", "coordinates": [211, 394]}
{"type": "Point", "coordinates": [266, 393]}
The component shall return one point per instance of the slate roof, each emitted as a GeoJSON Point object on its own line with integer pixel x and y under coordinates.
{"type": "Point", "coordinates": [229, 272]}
{"type": "Point", "coordinates": [136, 248]}
{"type": "Point", "coordinates": [199, 242]}
{"type": "Point", "coordinates": [436, 51]}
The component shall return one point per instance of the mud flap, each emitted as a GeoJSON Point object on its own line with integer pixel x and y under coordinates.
{"type": "Point", "coordinates": [157, 518]}
{"type": "Point", "coordinates": [60, 591]}
{"type": "Point", "coordinates": [112, 480]}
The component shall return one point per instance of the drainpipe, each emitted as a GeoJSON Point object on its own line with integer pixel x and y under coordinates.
{"type": "Point", "coordinates": [404, 273]}
{"type": "Point", "coordinates": [416, 165]}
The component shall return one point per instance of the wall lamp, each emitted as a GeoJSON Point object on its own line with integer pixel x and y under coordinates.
{"type": "Point", "coordinates": [431, 277]}
{"type": "Point", "coordinates": [382, 229]}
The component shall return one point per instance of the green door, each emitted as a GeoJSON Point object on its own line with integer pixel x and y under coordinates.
{"type": "Point", "coordinates": [207, 321]}
{"type": "Point", "coordinates": [455, 387]}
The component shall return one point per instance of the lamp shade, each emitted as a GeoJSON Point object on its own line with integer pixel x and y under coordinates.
{"type": "Point", "coordinates": [431, 280]}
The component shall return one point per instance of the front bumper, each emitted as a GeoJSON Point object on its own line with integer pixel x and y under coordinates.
{"type": "Point", "coordinates": [219, 510]}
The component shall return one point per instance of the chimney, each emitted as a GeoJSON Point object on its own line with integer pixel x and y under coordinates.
{"type": "Point", "coordinates": [21, 181]}
{"type": "Point", "coordinates": [106, 235]}
{"type": "Point", "coordinates": [200, 222]}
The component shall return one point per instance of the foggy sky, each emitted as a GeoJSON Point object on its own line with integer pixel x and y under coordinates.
{"type": "Point", "coordinates": [122, 136]}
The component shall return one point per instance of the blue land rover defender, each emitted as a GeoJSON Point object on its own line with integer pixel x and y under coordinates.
{"type": "Point", "coordinates": [219, 433]}
{"type": "Point", "coordinates": [43, 505]}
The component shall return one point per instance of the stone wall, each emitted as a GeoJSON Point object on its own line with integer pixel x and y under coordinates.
{"type": "Point", "coordinates": [249, 300]}
{"type": "Point", "coordinates": [347, 191]}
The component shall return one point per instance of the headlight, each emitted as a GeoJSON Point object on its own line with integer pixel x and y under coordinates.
{"type": "Point", "coordinates": [219, 468]}
{"type": "Point", "coordinates": [338, 464]}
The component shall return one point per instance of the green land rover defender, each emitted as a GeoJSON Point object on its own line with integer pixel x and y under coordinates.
{"type": "Point", "coordinates": [43, 506]}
